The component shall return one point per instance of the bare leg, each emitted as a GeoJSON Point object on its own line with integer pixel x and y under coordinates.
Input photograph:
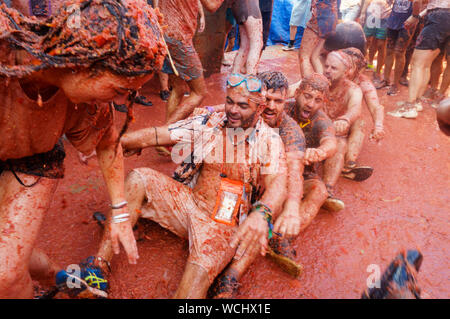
{"type": "Point", "coordinates": [420, 72]}
{"type": "Point", "coordinates": [436, 70]}
{"type": "Point", "coordinates": [242, 54]}
{"type": "Point", "coordinates": [309, 42]}
{"type": "Point", "coordinates": [399, 65]}
{"type": "Point", "coordinates": [254, 29]}
{"type": "Point", "coordinates": [315, 57]}
{"type": "Point", "coordinates": [388, 64]}
{"type": "Point", "coordinates": [175, 95]}
{"type": "Point", "coordinates": [333, 166]}
{"type": "Point", "coordinates": [355, 141]}
{"type": "Point", "coordinates": [194, 284]}
{"type": "Point", "coordinates": [42, 268]}
{"type": "Point", "coordinates": [163, 81]}
{"type": "Point", "coordinates": [19, 229]}
{"type": "Point", "coordinates": [292, 32]}
{"type": "Point", "coordinates": [187, 106]}
{"type": "Point", "coordinates": [371, 44]}
{"type": "Point", "coordinates": [315, 194]}
{"type": "Point", "coordinates": [446, 77]}
{"type": "Point", "coordinates": [381, 48]}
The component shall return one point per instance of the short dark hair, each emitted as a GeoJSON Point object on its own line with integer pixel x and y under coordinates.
{"type": "Point", "coordinates": [274, 80]}
{"type": "Point", "coordinates": [316, 81]}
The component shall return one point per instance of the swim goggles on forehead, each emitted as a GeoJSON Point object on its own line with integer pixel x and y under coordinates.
{"type": "Point", "coordinates": [252, 82]}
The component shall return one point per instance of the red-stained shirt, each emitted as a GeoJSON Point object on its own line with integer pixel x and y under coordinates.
{"type": "Point", "coordinates": [180, 17]}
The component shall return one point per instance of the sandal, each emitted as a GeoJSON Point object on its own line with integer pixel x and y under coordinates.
{"type": "Point", "coordinates": [357, 173]}
{"type": "Point", "coordinates": [281, 252]}
{"type": "Point", "coordinates": [392, 91]}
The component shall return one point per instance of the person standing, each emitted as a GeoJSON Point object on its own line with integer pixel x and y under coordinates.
{"type": "Point", "coordinates": [300, 15]}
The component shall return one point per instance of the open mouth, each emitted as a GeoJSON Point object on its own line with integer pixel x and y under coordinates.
{"type": "Point", "coordinates": [305, 113]}
{"type": "Point", "coordinates": [233, 119]}
{"type": "Point", "coordinates": [269, 114]}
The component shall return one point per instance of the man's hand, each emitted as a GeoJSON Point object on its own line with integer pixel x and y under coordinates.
{"type": "Point", "coordinates": [314, 155]}
{"type": "Point", "coordinates": [341, 127]}
{"type": "Point", "coordinates": [251, 236]}
{"type": "Point", "coordinates": [377, 133]}
{"type": "Point", "coordinates": [123, 233]}
{"type": "Point", "coordinates": [288, 223]}
{"type": "Point", "coordinates": [411, 23]}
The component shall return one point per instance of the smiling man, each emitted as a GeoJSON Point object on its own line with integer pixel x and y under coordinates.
{"type": "Point", "coordinates": [208, 201]}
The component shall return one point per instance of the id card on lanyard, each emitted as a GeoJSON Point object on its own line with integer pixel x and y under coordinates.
{"type": "Point", "coordinates": [232, 198]}
{"type": "Point", "coordinates": [228, 201]}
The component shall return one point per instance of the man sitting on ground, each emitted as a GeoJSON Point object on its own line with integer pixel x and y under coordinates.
{"type": "Point", "coordinates": [343, 108]}
{"type": "Point", "coordinates": [321, 143]}
{"type": "Point", "coordinates": [208, 213]}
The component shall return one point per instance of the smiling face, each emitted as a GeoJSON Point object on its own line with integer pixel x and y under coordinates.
{"type": "Point", "coordinates": [83, 87]}
{"type": "Point", "coordinates": [241, 110]}
{"type": "Point", "coordinates": [274, 106]}
{"type": "Point", "coordinates": [309, 101]}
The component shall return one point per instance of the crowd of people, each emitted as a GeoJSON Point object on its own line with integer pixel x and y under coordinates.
{"type": "Point", "coordinates": [255, 170]}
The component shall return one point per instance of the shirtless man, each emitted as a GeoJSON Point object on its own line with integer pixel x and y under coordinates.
{"type": "Point", "coordinates": [180, 18]}
{"type": "Point", "coordinates": [39, 95]}
{"type": "Point", "coordinates": [189, 211]}
{"type": "Point", "coordinates": [321, 144]}
{"type": "Point", "coordinates": [322, 23]}
{"type": "Point", "coordinates": [356, 137]}
{"type": "Point", "coordinates": [343, 108]}
{"type": "Point", "coordinates": [434, 37]}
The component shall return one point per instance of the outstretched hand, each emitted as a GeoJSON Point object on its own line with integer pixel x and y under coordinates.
{"type": "Point", "coordinates": [123, 233]}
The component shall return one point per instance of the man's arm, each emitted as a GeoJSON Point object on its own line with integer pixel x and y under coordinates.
{"type": "Point", "coordinates": [110, 161]}
{"type": "Point", "coordinates": [252, 235]}
{"type": "Point", "coordinates": [211, 5]}
{"type": "Point", "coordinates": [375, 108]}
{"type": "Point", "coordinates": [344, 122]}
{"type": "Point", "coordinates": [288, 223]}
{"type": "Point", "coordinates": [147, 137]}
{"type": "Point", "coordinates": [414, 18]}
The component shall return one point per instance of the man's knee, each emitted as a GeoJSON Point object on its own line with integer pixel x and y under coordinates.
{"type": "Point", "coordinates": [316, 188]}
{"type": "Point", "coordinates": [11, 276]}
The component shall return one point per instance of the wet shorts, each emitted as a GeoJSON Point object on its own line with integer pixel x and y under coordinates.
{"type": "Point", "coordinates": [378, 33]}
{"type": "Point", "coordinates": [398, 40]}
{"type": "Point", "coordinates": [49, 164]}
{"type": "Point", "coordinates": [173, 206]}
{"type": "Point", "coordinates": [436, 32]}
{"type": "Point", "coordinates": [242, 9]}
{"type": "Point", "coordinates": [324, 18]}
{"type": "Point", "coordinates": [185, 58]}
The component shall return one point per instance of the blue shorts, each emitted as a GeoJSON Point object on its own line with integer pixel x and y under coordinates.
{"type": "Point", "coordinates": [185, 58]}
{"type": "Point", "coordinates": [378, 33]}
